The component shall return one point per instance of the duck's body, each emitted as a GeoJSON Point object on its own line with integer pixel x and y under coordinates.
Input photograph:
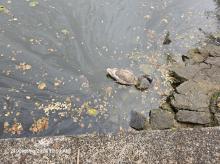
{"type": "Point", "coordinates": [127, 77]}
{"type": "Point", "coordinates": [122, 76]}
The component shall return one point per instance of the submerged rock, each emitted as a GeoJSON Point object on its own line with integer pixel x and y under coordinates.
{"type": "Point", "coordinates": [212, 38]}
{"type": "Point", "coordinates": [161, 119]}
{"type": "Point", "coordinates": [138, 121]}
{"type": "Point", "coordinates": [193, 117]}
{"type": "Point", "coordinates": [170, 59]}
{"type": "Point", "coordinates": [167, 39]}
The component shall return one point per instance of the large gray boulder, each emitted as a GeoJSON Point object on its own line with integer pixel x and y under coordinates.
{"type": "Point", "coordinates": [193, 117]}
{"type": "Point", "coordinates": [210, 77]}
{"type": "Point", "coordinates": [183, 70]}
{"type": "Point", "coordinates": [161, 119]}
{"type": "Point", "coordinates": [191, 96]}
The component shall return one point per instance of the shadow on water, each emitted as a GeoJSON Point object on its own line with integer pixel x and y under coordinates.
{"type": "Point", "coordinates": [53, 57]}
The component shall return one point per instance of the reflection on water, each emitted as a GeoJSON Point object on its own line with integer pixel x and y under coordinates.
{"type": "Point", "coordinates": [53, 57]}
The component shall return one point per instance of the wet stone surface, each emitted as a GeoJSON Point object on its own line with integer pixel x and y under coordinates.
{"type": "Point", "coordinates": [193, 117]}
{"type": "Point", "coordinates": [161, 119]}
{"type": "Point", "coordinates": [190, 97]}
{"type": "Point", "coordinates": [137, 121]}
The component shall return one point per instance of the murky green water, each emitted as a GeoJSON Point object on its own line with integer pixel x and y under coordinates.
{"type": "Point", "coordinates": [53, 57]}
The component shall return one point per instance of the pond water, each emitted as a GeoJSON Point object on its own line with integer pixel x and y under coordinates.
{"type": "Point", "coordinates": [54, 55]}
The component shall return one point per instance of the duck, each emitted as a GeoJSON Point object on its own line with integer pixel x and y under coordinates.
{"type": "Point", "coordinates": [127, 77]}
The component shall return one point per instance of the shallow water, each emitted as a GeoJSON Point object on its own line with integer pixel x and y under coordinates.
{"type": "Point", "coordinates": [67, 46]}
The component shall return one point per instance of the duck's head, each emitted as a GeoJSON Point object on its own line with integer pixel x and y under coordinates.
{"type": "Point", "coordinates": [148, 77]}
{"type": "Point", "coordinates": [144, 82]}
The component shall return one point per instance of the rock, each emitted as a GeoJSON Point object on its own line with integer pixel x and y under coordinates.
{"type": "Point", "coordinates": [211, 75]}
{"type": "Point", "coordinates": [161, 119]}
{"type": "Point", "coordinates": [197, 56]}
{"type": "Point", "coordinates": [190, 102]}
{"type": "Point", "coordinates": [215, 102]}
{"type": "Point", "coordinates": [194, 86]}
{"type": "Point", "coordinates": [138, 121]}
{"type": "Point", "coordinates": [213, 61]}
{"type": "Point", "coordinates": [217, 119]}
{"type": "Point", "coordinates": [193, 117]}
{"type": "Point", "coordinates": [176, 80]}
{"type": "Point", "coordinates": [180, 125]}
{"type": "Point", "coordinates": [183, 71]}
{"type": "Point", "coordinates": [166, 106]}
{"type": "Point", "coordinates": [170, 59]}
{"type": "Point", "coordinates": [190, 96]}
{"type": "Point", "coordinates": [167, 39]}
{"type": "Point", "coordinates": [211, 38]}
{"type": "Point", "coordinates": [212, 50]}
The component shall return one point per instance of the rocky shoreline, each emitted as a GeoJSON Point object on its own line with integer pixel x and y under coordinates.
{"type": "Point", "coordinates": [195, 100]}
